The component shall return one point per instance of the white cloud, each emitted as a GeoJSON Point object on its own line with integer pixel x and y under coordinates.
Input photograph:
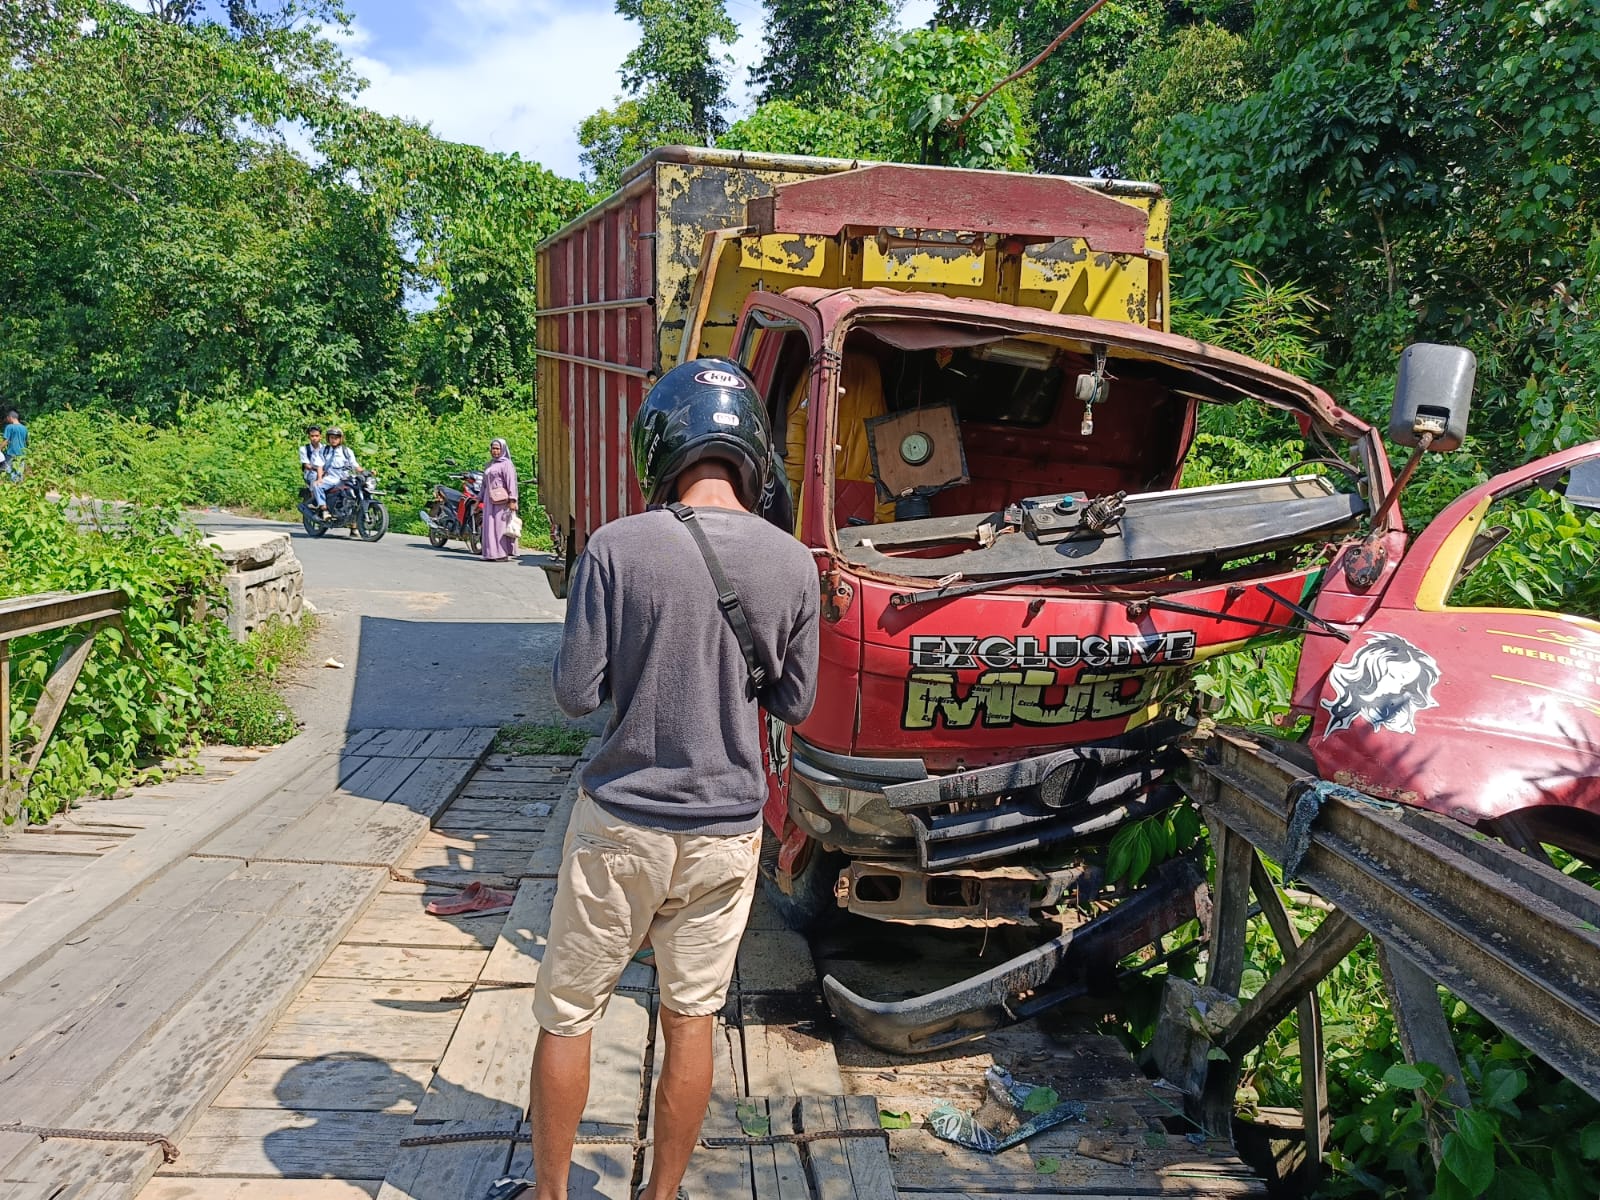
{"type": "Point", "coordinates": [504, 75]}
{"type": "Point", "coordinates": [519, 75]}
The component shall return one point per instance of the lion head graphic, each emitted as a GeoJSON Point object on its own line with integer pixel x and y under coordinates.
{"type": "Point", "coordinates": [1388, 681]}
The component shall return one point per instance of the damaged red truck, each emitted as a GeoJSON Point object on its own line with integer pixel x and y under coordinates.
{"type": "Point", "coordinates": [984, 429]}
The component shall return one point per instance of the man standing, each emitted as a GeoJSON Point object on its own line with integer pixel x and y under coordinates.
{"type": "Point", "coordinates": [16, 437]}
{"type": "Point", "coordinates": [314, 467]}
{"type": "Point", "coordinates": [663, 842]}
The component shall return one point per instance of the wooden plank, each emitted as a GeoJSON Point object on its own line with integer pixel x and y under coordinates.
{"type": "Point", "coordinates": [404, 962]}
{"type": "Point", "coordinates": [484, 1073]}
{"type": "Point", "coordinates": [847, 1168]}
{"type": "Point", "coordinates": [546, 861]}
{"type": "Point", "coordinates": [347, 1083]}
{"type": "Point", "coordinates": [79, 1013]}
{"type": "Point", "coordinates": [520, 946]}
{"type": "Point", "coordinates": [462, 848]}
{"type": "Point", "coordinates": [433, 785]}
{"type": "Point", "coordinates": [175, 1073]}
{"type": "Point", "coordinates": [164, 1188]}
{"type": "Point", "coordinates": [481, 788]}
{"type": "Point", "coordinates": [396, 743]}
{"type": "Point", "coordinates": [416, 1029]}
{"type": "Point", "coordinates": [776, 960]}
{"type": "Point", "coordinates": [24, 877]}
{"type": "Point", "coordinates": [294, 1145]}
{"type": "Point", "coordinates": [78, 972]}
{"type": "Point", "coordinates": [381, 995]}
{"type": "Point", "coordinates": [597, 1173]}
{"type": "Point", "coordinates": [470, 742]}
{"type": "Point", "coordinates": [787, 1050]}
{"type": "Point", "coordinates": [277, 808]}
{"type": "Point", "coordinates": [34, 840]}
{"type": "Point", "coordinates": [459, 1172]}
{"type": "Point", "coordinates": [617, 1070]}
{"type": "Point", "coordinates": [515, 816]}
{"type": "Point", "coordinates": [779, 1172]}
{"type": "Point", "coordinates": [401, 919]}
{"type": "Point", "coordinates": [720, 1172]}
{"type": "Point", "coordinates": [356, 739]}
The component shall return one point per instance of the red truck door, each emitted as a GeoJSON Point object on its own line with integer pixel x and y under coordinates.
{"type": "Point", "coordinates": [778, 342]}
{"type": "Point", "coordinates": [1482, 713]}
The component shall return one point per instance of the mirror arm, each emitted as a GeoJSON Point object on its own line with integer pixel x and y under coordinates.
{"type": "Point", "coordinates": [1400, 483]}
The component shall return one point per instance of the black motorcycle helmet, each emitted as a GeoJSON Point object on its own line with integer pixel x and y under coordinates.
{"type": "Point", "coordinates": [706, 408]}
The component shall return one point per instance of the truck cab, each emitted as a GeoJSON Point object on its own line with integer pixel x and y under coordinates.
{"type": "Point", "coordinates": [1014, 581]}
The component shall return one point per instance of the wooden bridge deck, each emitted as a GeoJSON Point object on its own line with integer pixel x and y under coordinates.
{"type": "Point", "coordinates": [34, 859]}
{"type": "Point", "coordinates": [300, 1076]}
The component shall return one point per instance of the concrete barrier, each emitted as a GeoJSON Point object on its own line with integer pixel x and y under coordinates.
{"type": "Point", "coordinates": [264, 578]}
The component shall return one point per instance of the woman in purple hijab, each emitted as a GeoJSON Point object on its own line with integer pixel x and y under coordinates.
{"type": "Point", "coordinates": [499, 504]}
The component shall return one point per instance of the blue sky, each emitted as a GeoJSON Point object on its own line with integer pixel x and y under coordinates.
{"type": "Point", "coordinates": [517, 74]}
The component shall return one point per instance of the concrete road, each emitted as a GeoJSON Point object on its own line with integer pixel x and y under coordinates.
{"type": "Point", "coordinates": [428, 638]}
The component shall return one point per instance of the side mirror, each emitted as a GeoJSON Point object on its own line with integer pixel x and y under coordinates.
{"type": "Point", "coordinates": [1432, 395]}
{"type": "Point", "coordinates": [1583, 484]}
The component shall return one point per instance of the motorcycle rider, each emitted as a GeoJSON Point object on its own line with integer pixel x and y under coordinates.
{"type": "Point", "coordinates": [341, 464]}
{"type": "Point", "coordinates": [314, 468]}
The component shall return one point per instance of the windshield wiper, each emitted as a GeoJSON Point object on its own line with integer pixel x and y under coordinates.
{"type": "Point", "coordinates": [1090, 574]}
{"type": "Point", "coordinates": [1137, 608]}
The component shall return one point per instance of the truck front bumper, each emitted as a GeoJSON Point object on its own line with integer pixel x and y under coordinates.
{"type": "Point", "coordinates": [989, 846]}
{"type": "Point", "coordinates": [1080, 962]}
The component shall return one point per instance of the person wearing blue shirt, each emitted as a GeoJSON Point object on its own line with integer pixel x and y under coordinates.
{"type": "Point", "coordinates": [16, 435]}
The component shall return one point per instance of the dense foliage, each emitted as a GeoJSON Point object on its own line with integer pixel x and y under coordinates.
{"type": "Point", "coordinates": [178, 678]}
{"type": "Point", "coordinates": [816, 49]}
{"type": "Point", "coordinates": [164, 242]}
{"type": "Point", "coordinates": [239, 453]}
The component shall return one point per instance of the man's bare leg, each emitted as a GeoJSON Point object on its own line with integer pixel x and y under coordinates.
{"type": "Point", "coordinates": [557, 1094]}
{"type": "Point", "coordinates": [682, 1094]}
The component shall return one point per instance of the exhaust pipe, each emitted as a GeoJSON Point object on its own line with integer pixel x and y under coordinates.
{"type": "Point", "coordinates": [430, 522]}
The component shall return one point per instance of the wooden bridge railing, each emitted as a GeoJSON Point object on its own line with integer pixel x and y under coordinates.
{"type": "Point", "coordinates": [87, 613]}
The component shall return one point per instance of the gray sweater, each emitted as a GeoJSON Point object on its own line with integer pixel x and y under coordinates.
{"type": "Point", "coordinates": [683, 749]}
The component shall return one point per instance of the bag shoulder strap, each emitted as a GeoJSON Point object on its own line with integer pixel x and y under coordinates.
{"type": "Point", "coordinates": [727, 597]}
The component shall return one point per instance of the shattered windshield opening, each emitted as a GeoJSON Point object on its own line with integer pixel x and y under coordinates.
{"type": "Point", "coordinates": [971, 454]}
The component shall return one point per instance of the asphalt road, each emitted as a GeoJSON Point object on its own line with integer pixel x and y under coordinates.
{"type": "Point", "coordinates": [428, 638]}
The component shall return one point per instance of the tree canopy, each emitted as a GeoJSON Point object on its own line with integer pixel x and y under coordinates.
{"type": "Point", "coordinates": [816, 50]}
{"type": "Point", "coordinates": [164, 240]}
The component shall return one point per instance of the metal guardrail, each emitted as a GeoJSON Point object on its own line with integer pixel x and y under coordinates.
{"type": "Point", "coordinates": [25, 615]}
{"type": "Point", "coordinates": [1510, 935]}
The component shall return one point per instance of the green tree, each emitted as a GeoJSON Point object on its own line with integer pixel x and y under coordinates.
{"type": "Point", "coordinates": [159, 237]}
{"type": "Point", "coordinates": [613, 139]}
{"type": "Point", "coordinates": [1180, 74]}
{"type": "Point", "coordinates": [816, 50]}
{"type": "Point", "coordinates": [923, 80]}
{"type": "Point", "coordinates": [675, 51]}
{"type": "Point", "coordinates": [784, 127]}
{"type": "Point", "coordinates": [1433, 169]}
{"type": "Point", "coordinates": [1077, 72]}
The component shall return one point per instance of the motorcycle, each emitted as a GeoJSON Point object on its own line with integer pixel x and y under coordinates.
{"type": "Point", "coordinates": [352, 505]}
{"type": "Point", "coordinates": [456, 513]}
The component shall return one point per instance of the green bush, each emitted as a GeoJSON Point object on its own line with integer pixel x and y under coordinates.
{"type": "Point", "coordinates": [141, 700]}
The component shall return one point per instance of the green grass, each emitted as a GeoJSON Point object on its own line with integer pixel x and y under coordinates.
{"type": "Point", "coordinates": [247, 709]}
{"type": "Point", "coordinates": [540, 739]}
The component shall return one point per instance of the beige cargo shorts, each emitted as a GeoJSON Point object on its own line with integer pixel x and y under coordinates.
{"type": "Point", "coordinates": [690, 892]}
